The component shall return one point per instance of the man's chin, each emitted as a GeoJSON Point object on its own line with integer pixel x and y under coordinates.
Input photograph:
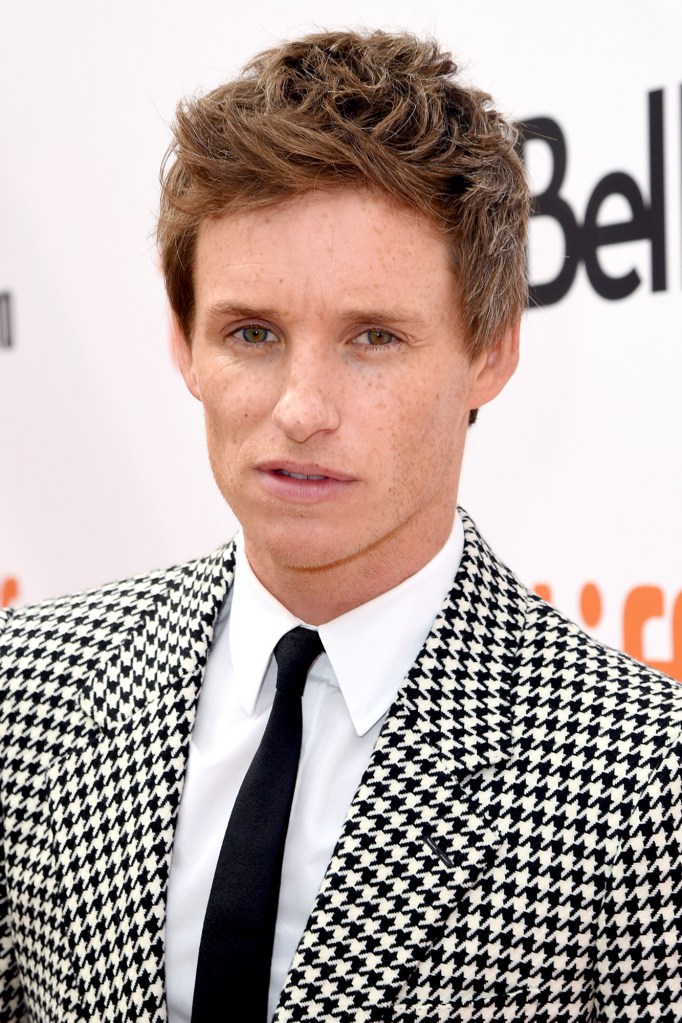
{"type": "Point", "coordinates": [301, 550]}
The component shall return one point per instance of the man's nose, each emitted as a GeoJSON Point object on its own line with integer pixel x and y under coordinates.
{"type": "Point", "coordinates": [307, 402]}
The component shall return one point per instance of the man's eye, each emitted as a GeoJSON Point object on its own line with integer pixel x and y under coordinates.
{"type": "Point", "coordinates": [374, 338]}
{"type": "Point", "coordinates": [255, 335]}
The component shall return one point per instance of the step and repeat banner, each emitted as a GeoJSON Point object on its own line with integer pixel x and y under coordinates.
{"type": "Point", "coordinates": [574, 473]}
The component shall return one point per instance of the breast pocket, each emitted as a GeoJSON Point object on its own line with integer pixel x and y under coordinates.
{"type": "Point", "coordinates": [521, 1003]}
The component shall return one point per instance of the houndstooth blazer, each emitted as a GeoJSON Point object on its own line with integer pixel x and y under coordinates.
{"type": "Point", "coordinates": [512, 852]}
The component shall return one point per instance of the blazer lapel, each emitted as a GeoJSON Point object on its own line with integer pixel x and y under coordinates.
{"type": "Point", "coordinates": [115, 797]}
{"type": "Point", "coordinates": [420, 829]}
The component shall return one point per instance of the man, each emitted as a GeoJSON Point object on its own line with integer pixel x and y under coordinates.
{"type": "Point", "coordinates": [486, 816]}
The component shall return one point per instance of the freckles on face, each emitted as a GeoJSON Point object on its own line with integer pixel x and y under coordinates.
{"type": "Point", "coordinates": [327, 343]}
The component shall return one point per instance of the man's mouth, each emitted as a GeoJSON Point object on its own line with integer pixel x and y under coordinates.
{"type": "Point", "coordinates": [305, 472]}
{"type": "Point", "coordinates": [298, 475]}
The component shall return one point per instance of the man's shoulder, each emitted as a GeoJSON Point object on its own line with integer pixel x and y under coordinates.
{"type": "Point", "coordinates": [551, 631]}
{"type": "Point", "coordinates": [114, 605]}
{"type": "Point", "coordinates": [593, 711]}
{"type": "Point", "coordinates": [562, 673]}
{"type": "Point", "coordinates": [558, 653]}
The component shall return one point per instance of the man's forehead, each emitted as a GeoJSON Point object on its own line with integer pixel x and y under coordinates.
{"type": "Point", "coordinates": [334, 208]}
{"type": "Point", "coordinates": [359, 254]}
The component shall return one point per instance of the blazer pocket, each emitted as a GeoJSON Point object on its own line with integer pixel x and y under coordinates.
{"type": "Point", "coordinates": [499, 1003]}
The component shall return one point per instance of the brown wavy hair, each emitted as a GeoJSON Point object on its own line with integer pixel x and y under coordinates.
{"type": "Point", "coordinates": [377, 110]}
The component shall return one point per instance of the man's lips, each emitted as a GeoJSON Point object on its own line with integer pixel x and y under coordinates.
{"type": "Point", "coordinates": [304, 471]}
{"type": "Point", "coordinates": [303, 483]}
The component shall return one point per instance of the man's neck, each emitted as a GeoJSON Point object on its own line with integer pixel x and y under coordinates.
{"type": "Point", "coordinates": [320, 594]}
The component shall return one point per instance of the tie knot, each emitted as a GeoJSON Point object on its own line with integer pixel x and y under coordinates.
{"type": "Point", "coordinates": [294, 654]}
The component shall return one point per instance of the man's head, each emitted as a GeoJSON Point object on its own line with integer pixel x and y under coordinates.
{"type": "Point", "coordinates": [342, 233]}
{"type": "Point", "coordinates": [377, 112]}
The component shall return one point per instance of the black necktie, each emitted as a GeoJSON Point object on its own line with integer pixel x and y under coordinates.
{"type": "Point", "coordinates": [233, 971]}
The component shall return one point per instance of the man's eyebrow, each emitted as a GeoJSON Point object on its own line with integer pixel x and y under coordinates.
{"type": "Point", "coordinates": [372, 314]}
{"type": "Point", "coordinates": [239, 311]}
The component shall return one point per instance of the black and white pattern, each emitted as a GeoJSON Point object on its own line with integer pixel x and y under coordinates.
{"type": "Point", "coordinates": [512, 853]}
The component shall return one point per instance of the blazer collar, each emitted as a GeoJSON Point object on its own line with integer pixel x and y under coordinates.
{"type": "Point", "coordinates": [156, 635]}
{"type": "Point", "coordinates": [420, 829]}
{"type": "Point", "coordinates": [457, 697]}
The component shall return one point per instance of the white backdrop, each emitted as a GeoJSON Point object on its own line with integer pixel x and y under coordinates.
{"type": "Point", "coordinates": [573, 474]}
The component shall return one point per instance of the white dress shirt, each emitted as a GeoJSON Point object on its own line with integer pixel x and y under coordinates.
{"type": "Point", "coordinates": [347, 695]}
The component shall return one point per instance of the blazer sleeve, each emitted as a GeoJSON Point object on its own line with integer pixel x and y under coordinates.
{"type": "Point", "coordinates": [12, 1007]}
{"type": "Point", "coordinates": [639, 947]}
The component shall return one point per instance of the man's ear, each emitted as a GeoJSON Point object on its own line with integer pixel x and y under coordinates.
{"type": "Point", "coordinates": [494, 367]}
{"type": "Point", "coordinates": [182, 353]}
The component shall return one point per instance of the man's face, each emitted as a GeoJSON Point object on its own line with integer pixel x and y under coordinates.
{"type": "Point", "coordinates": [328, 356]}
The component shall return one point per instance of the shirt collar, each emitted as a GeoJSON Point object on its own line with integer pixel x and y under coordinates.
{"type": "Point", "coordinates": [257, 623]}
{"type": "Point", "coordinates": [370, 648]}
